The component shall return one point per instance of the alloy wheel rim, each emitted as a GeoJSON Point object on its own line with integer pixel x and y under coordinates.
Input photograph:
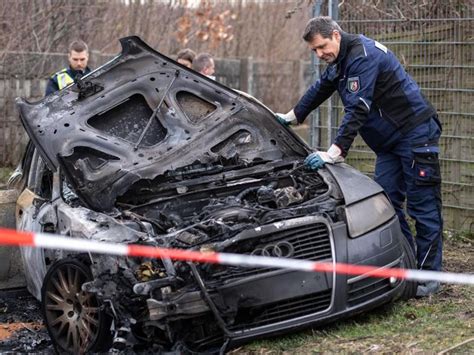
{"type": "Point", "coordinates": [73, 315]}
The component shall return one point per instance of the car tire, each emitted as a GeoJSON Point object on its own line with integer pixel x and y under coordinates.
{"type": "Point", "coordinates": [409, 262]}
{"type": "Point", "coordinates": [74, 318]}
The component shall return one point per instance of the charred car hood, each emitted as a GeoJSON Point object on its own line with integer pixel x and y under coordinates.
{"type": "Point", "coordinates": [141, 115]}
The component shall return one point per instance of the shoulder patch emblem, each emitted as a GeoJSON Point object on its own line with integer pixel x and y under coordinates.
{"type": "Point", "coordinates": [353, 84]}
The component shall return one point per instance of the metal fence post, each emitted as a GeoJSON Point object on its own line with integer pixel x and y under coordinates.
{"type": "Point", "coordinates": [332, 109]}
{"type": "Point", "coordinates": [246, 75]}
{"type": "Point", "coordinates": [299, 69]}
{"type": "Point", "coordinates": [315, 118]}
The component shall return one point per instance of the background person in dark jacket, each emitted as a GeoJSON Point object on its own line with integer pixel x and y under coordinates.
{"type": "Point", "coordinates": [78, 57]}
{"type": "Point", "coordinates": [386, 107]}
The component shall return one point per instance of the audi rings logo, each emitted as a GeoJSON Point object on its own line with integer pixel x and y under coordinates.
{"type": "Point", "coordinates": [280, 250]}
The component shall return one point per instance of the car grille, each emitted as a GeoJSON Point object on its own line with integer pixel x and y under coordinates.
{"type": "Point", "coordinates": [249, 318]}
{"type": "Point", "coordinates": [281, 311]}
{"type": "Point", "coordinates": [310, 242]}
{"type": "Point", "coordinates": [366, 289]}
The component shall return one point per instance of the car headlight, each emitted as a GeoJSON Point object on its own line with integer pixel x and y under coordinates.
{"type": "Point", "coordinates": [368, 214]}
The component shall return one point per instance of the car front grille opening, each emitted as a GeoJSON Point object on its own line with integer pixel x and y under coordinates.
{"type": "Point", "coordinates": [367, 289]}
{"type": "Point", "coordinates": [280, 311]}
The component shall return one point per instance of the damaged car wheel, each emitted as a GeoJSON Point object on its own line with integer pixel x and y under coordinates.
{"type": "Point", "coordinates": [73, 317]}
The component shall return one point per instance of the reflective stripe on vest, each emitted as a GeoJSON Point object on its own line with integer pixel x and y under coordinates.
{"type": "Point", "coordinates": [64, 79]}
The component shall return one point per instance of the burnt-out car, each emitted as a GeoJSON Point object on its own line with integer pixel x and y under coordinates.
{"type": "Point", "coordinates": [146, 151]}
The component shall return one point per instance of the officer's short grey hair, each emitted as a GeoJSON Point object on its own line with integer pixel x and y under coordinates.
{"type": "Point", "coordinates": [322, 25]}
{"type": "Point", "coordinates": [78, 46]}
{"type": "Point", "coordinates": [202, 61]}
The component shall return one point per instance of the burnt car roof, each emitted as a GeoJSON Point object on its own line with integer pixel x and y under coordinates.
{"type": "Point", "coordinates": [143, 114]}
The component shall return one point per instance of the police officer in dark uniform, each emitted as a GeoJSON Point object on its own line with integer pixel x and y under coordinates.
{"type": "Point", "coordinates": [78, 57]}
{"type": "Point", "coordinates": [386, 107]}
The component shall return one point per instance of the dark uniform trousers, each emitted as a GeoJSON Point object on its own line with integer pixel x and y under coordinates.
{"type": "Point", "coordinates": [411, 168]}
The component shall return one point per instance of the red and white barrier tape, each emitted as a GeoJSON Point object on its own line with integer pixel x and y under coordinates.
{"type": "Point", "coordinates": [50, 241]}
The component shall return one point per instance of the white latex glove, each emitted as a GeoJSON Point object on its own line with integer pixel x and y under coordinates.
{"type": "Point", "coordinates": [286, 118]}
{"type": "Point", "coordinates": [333, 155]}
{"type": "Point", "coordinates": [317, 160]}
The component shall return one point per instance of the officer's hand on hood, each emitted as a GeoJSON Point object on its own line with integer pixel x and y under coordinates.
{"type": "Point", "coordinates": [317, 160]}
{"type": "Point", "coordinates": [286, 118]}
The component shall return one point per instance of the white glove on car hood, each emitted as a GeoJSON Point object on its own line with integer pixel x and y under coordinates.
{"type": "Point", "coordinates": [288, 117]}
{"type": "Point", "coordinates": [333, 155]}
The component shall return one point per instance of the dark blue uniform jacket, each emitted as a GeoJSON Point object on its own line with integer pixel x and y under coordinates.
{"type": "Point", "coordinates": [380, 99]}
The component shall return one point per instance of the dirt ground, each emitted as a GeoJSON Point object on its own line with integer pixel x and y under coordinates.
{"type": "Point", "coordinates": [22, 329]}
{"type": "Point", "coordinates": [21, 324]}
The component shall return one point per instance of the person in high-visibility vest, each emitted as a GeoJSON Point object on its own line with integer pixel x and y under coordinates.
{"type": "Point", "coordinates": [78, 57]}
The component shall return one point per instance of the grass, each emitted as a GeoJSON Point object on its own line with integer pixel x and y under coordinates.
{"type": "Point", "coordinates": [416, 325]}
{"type": "Point", "coordinates": [460, 236]}
{"type": "Point", "coordinates": [4, 175]}
{"type": "Point", "coordinates": [430, 324]}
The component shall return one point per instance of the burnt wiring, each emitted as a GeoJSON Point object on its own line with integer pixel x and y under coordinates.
{"type": "Point", "coordinates": [209, 213]}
